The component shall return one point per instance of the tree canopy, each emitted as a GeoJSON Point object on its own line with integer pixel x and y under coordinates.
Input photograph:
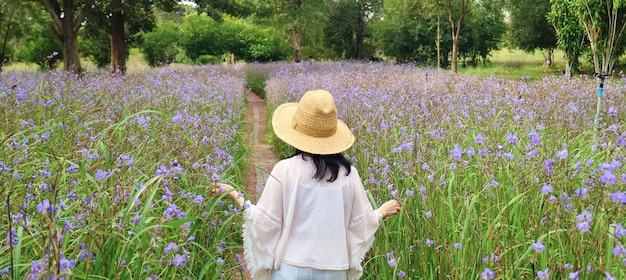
{"type": "Point", "coordinates": [426, 32]}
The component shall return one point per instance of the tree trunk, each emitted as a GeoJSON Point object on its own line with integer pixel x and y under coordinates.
{"type": "Point", "coordinates": [69, 40]}
{"type": "Point", "coordinates": [118, 46]}
{"type": "Point", "coordinates": [455, 47]}
{"type": "Point", "coordinates": [296, 45]}
{"type": "Point", "coordinates": [438, 41]}
{"type": "Point", "coordinates": [66, 26]}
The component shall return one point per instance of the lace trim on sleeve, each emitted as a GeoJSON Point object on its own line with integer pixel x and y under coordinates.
{"type": "Point", "coordinates": [258, 261]}
{"type": "Point", "coordinates": [357, 220]}
{"type": "Point", "coordinates": [356, 270]}
{"type": "Point", "coordinates": [269, 217]}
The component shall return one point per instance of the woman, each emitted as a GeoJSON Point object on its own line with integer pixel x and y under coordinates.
{"type": "Point", "coordinates": [313, 219]}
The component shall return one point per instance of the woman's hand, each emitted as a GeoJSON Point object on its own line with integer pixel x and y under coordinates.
{"type": "Point", "coordinates": [389, 208]}
{"type": "Point", "coordinates": [232, 193]}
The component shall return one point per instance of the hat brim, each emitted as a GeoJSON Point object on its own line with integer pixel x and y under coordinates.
{"type": "Point", "coordinates": [337, 143]}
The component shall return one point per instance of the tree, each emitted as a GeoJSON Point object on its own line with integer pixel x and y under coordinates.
{"type": "Point", "coordinates": [9, 13]}
{"type": "Point", "coordinates": [456, 10]}
{"type": "Point", "coordinates": [67, 20]}
{"type": "Point", "coordinates": [159, 46]}
{"type": "Point", "coordinates": [530, 29]}
{"type": "Point", "coordinates": [571, 38]}
{"type": "Point", "coordinates": [407, 33]}
{"type": "Point", "coordinates": [38, 45]}
{"type": "Point", "coordinates": [348, 26]}
{"type": "Point", "coordinates": [482, 32]}
{"type": "Point", "coordinates": [300, 20]}
{"type": "Point", "coordinates": [604, 22]}
{"type": "Point", "coordinates": [121, 20]}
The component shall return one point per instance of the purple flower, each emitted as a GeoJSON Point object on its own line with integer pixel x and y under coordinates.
{"type": "Point", "coordinates": [608, 178]}
{"type": "Point", "coordinates": [609, 276]}
{"type": "Point", "coordinates": [619, 250]}
{"type": "Point", "coordinates": [220, 261]}
{"type": "Point", "coordinates": [401, 274]}
{"type": "Point", "coordinates": [162, 171]}
{"type": "Point", "coordinates": [178, 261]}
{"type": "Point", "coordinates": [479, 139]}
{"type": "Point", "coordinates": [101, 175]}
{"type": "Point", "coordinates": [619, 230]}
{"type": "Point", "coordinates": [409, 192]}
{"type": "Point", "coordinates": [538, 246]}
{"type": "Point", "coordinates": [391, 260]}
{"type": "Point", "coordinates": [12, 236]}
{"type": "Point", "coordinates": [44, 207]}
{"type": "Point", "coordinates": [429, 242]}
{"type": "Point", "coordinates": [172, 247]}
{"type": "Point", "coordinates": [487, 274]}
{"type": "Point", "coordinates": [512, 138]}
{"type": "Point", "coordinates": [67, 264]}
{"type": "Point", "coordinates": [457, 245]}
{"type": "Point", "coordinates": [198, 199]}
{"type": "Point", "coordinates": [573, 275]}
{"type": "Point", "coordinates": [562, 154]}
{"type": "Point", "coordinates": [535, 139]}
{"type": "Point", "coordinates": [546, 189]}
{"type": "Point", "coordinates": [508, 156]}
{"type": "Point", "coordinates": [428, 214]}
{"type": "Point", "coordinates": [545, 274]}
{"type": "Point", "coordinates": [456, 153]}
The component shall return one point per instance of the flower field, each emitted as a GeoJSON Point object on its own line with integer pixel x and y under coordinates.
{"type": "Point", "coordinates": [498, 179]}
{"type": "Point", "coordinates": [105, 177]}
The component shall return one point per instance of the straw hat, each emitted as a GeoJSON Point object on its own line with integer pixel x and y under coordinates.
{"type": "Point", "coordinates": [312, 126]}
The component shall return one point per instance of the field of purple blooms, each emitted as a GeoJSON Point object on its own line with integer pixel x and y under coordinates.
{"type": "Point", "coordinates": [106, 176]}
{"type": "Point", "coordinates": [499, 179]}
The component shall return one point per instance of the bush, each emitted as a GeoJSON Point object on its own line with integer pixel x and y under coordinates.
{"type": "Point", "coordinates": [42, 47]}
{"type": "Point", "coordinates": [160, 46]}
{"type": "Point", "coordinates": [208, 59]}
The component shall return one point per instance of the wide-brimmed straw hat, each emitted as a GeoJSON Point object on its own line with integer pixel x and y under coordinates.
{"type": "Point", "coordinates": [311, 125]}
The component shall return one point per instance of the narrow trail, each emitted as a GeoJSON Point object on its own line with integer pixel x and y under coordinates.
{"type": "Point", "coordinates": [262, 159]}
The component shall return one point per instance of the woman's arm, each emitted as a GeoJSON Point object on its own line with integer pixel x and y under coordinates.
{"type": "Point", "coordinates": [388, 208]}
{"type": "Point", "coordinates": [233, 194]}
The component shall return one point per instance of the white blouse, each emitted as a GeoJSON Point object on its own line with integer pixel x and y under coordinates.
{"type": "Point", "coordinates": [307, 222]}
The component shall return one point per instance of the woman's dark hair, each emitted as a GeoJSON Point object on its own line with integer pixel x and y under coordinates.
{"type": "Point", "coordinates": [327, 163]}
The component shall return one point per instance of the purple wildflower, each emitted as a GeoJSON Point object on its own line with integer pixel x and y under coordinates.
{"type": "Point", "coordinates": [178, 261]}
{"type": "Point", "coordinates": [44, 207]}
{"type": "Point", "coordinates": [545, 274]}
{"type": "Point", "coordinates": [101, 175]}
{"type": "Point", "coordinates": [479, 139]}
{"type": "Point", "coordinates": [562, 154]}
{"type": "Point", "coordinates": [172, 247]}
{"type": "Point", "coordinates": [162, 171]}
{"type": "Point", "coordinates": [512, 138]}
{"type": "Point", "coordinates": [487, 274]}
{"type": "Point", "coordinates": [546, 189]}
{"type": "Point", "coordinates": [538, 246]}
{"type": "Point", "coordinates": [619, 250]}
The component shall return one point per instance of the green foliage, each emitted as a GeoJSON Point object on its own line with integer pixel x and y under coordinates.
{"type": "Point", "coordinates": [570, 35]}
{"type": "Point", "coordinates": [94, 45]}
{"type": "Point", "coordinates": [529, 27]}
{"type": "Point", "coordinates": [348, 28]}
{"type": "Point", "coordinates": [200, 35]}
{"type": "Point", "coordinates": [406, 35]}
{"type": "Point", "coordinates": [41, 47]}
{"type": "Point", "coordinates": [159, 47]}
{"type": "Point", "coordinates": [482, 32]}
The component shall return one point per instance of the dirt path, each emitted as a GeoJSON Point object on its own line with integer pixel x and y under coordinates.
{"type": "Point", "coordinates": [263, 159]}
